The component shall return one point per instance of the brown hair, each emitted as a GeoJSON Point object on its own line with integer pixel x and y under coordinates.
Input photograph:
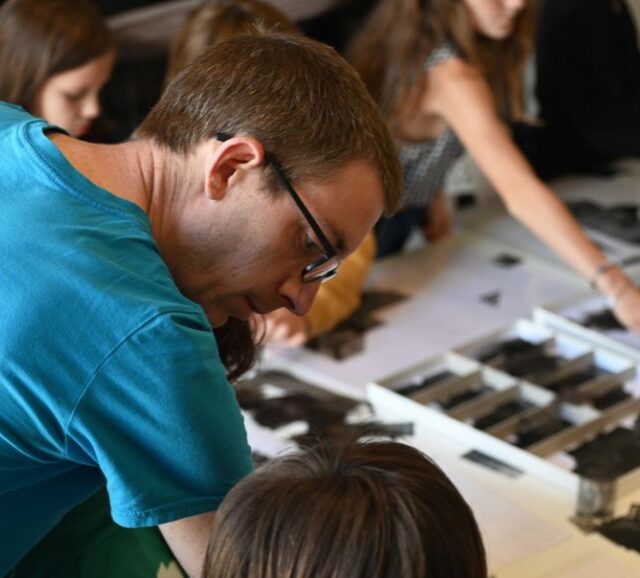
{"type": "Point", "coordinates": [41, 38]}
{"type": "Point", "coordinates": [396, 40]}
{"type": "Point", "coordinates": [218, 20]}
{"type": "Point", "coordinates": [346, 510]}
{"type": "Point", "coordinates": [298, 97]}
{"type": "Point", "coordinates": [237, 340]}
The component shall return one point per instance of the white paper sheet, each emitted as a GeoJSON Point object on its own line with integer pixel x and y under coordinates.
{"type": "Point", "coordinates": [510, 532]}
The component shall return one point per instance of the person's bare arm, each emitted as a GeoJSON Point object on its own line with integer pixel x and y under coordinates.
{"type": "Point", "coordinates": [460, 95]}
{"type": "Point", "coordinates": [439, 223]}
{"type": "Point", "coordinates": [188, 538]}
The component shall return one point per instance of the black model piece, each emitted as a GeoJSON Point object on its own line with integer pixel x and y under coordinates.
{"type": "Point", "coordinates": [495, 352]}
{"type": "Point", "coordinates": [534, 368]}
{"type": "Point", "coordinates": [277, 411]}
{"type": "Point", "coordinates": [353, 431]}
{"type": "Point", "coordinates": [618, 451]}
{"type": "Point", "coordinates": [563, 385]}
{"type": "Point", "coordinates": [603, 320]}
{"type": "Point", "coordinates": [620, 221]}
{"type": "Point", "coordinates": [610, 398]}
{"type": "Point", "coordinates": [487, 461]}
{"type": "Point", "coordinates": [249, 395]}
{"type": "Point", "coordinates": [507, 260]}
{"type": "Point", "coordinates": [464, 396]}
{"type": "Point", "coordinates": [501, 413]}
{"type": "Point", "coordinates": [301, 402]}
{"type": "Point", "coordinates": [341, 343]}
{"type": "Point", "coordinates": [492, 298]}
{"type": "Point", "coordinates": [534, 430]}
{"type": "Point", "coordinates": [399, 429]}
{"type": "Point", "coordinates": [347, 338]}
{"type": "Point", "coordinates": [429, 381]}
{"type": "Point", "coordinates": [626, 530]}
{"type": "Point", "coordinates": [520, 358]}
{"type": "Point", "coordinates": [294, 400]}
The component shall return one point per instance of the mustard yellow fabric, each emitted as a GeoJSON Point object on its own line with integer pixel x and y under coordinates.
{"type": "Point", "coordinates": [341, 296]}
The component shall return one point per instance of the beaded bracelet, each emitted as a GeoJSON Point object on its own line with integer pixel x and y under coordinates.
{"type": "Point", "coordinates": [601, 270]}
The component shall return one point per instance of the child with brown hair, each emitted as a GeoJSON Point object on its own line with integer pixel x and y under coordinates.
{"type": "Point", "coordinates": [55, 57]}
{"type": "Point", "coordinates": [346, 510]}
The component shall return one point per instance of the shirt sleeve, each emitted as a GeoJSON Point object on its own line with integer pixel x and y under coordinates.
{"type": "Point", "coordinates": [161, 422]}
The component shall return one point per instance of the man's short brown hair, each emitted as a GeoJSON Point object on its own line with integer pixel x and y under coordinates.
{"type": "Point", "coordinates": [298, 97]}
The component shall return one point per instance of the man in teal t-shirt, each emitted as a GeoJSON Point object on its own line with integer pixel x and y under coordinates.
{"type": "Point", "coordinates": [118, 259]}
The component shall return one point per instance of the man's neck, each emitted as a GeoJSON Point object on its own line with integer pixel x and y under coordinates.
{"type": "Point", "coordinates": [125, 170]}
{"type": "Point", "coordinates": [156, 180]}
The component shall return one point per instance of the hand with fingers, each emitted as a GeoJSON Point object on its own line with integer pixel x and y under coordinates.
{"type": "Point", "coordinates": [621, 291]}
{"type": "Point", "coordinates": [626, 307]}
{"type": "Point", "coordinates": [284, 328]}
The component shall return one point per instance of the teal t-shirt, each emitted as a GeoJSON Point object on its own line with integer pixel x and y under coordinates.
{"type": "Point", "coordinates": [108, 374]}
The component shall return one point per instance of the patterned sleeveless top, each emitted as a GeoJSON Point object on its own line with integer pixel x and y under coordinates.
{"type": "Point", "coordinates": [426, 164]}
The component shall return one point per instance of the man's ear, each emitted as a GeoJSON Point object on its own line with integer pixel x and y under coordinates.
{"type": "Point", "coordinates": [225, 159]}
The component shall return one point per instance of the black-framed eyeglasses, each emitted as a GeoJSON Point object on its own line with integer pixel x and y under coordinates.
{"type": "Point", "coordinates": [324, 268]}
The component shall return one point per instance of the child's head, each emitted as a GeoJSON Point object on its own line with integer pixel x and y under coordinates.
{"type": "Point", "coordinates": [55, 57]}
{"type": "Point", "coordinates": [356, 510]}
{"type": "Point", "coordinates": [219, 20]}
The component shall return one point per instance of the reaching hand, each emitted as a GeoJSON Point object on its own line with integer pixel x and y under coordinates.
{"type": "Point", "coordinates": [627, 308]}
{"type": "Point", "coordinates": [282, 327]}
{"type": "Point", "coordinates": [439, 222]}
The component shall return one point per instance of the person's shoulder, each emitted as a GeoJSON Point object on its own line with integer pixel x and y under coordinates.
{"type": "Point", "coordinates": [7, 109]}
{"type": "Point", "coordinates": [11, 114]}
{"type": "Point", "coordinates": [454, 71]}
{"type": "Point", "coordinates": [16, 122]}
{"type": "Point", "coordinates": [457, 85]}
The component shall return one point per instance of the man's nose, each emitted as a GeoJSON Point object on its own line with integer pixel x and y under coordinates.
{"type": "Point", "coordinates": [299, 296]}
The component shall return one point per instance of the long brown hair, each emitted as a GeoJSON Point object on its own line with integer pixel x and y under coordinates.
{"type": "Point", "coordinates": [390, 51]}
{"type": "Point", "coordinates": [346, 510]}
{"type": "Point", "coordinates": [237, 345]}
{"type": "Point", "coordinates": [215, 21]}
{"type": "Point", "coordinates": [41, 38]}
